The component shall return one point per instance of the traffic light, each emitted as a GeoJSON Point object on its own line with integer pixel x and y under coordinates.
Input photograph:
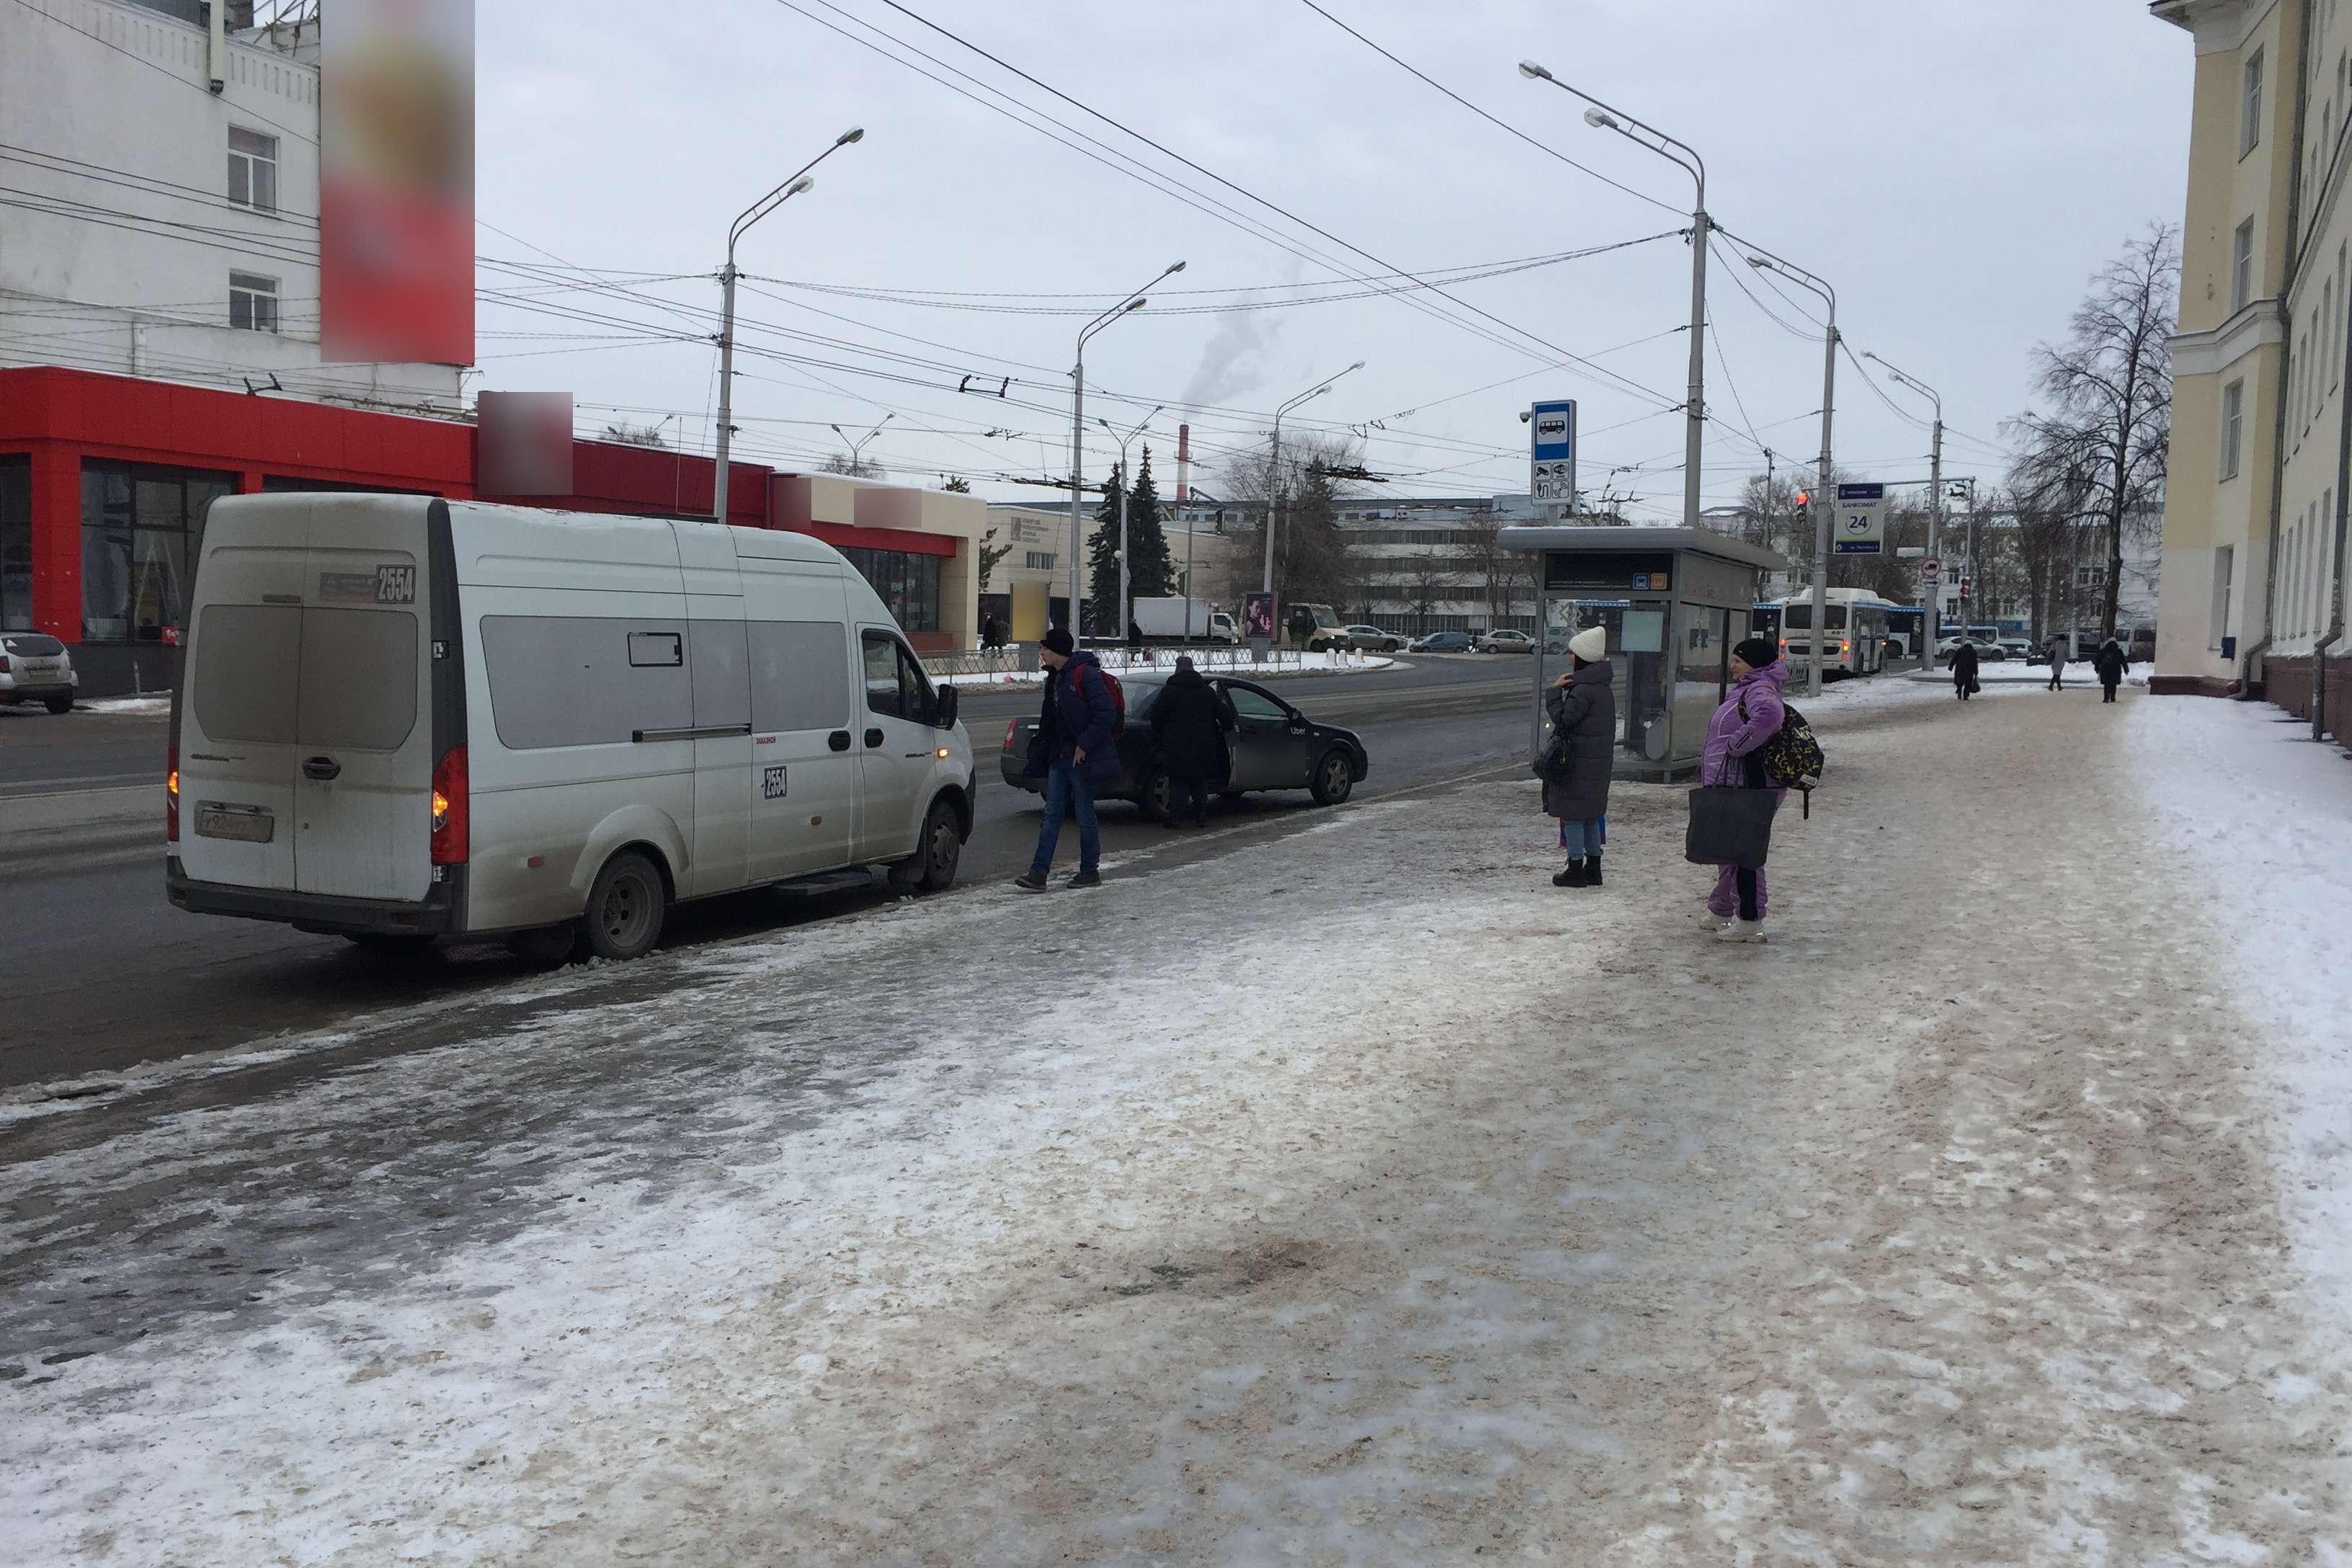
{"type": "Point", "coordinates": [1803, 500]}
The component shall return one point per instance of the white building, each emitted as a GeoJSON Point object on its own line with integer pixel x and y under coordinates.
{"type": "Point", "coordinates": [158, 228]}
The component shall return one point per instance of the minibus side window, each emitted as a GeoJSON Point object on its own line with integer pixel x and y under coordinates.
{"type": "Point", "coordinates": [574, 680]}
{"type": "Point", "coordinates": [800, 674]}
{"type": "Point", "coordinates": [882, 690]}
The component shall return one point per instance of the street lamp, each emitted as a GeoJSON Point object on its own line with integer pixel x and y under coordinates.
{"type": "Point", "coordinates": [800, 182]}
{"type": "Point", "coordinates": [1765, 261]}
{"type": "Point", "coordinates": [1274, 473]}
{"type": "Point", "coordinates": [1683, 156]}
{"type": "Point", "coordinates": [1078, 432]}
{"type": "Point", "coordinates": [1124, 615]}
{"type": "Point", "coordinates": [858, 445]}
{"type": "Point", "coordinates": [1931, 628]}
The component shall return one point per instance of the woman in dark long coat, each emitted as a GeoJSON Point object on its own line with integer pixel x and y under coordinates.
{"type": "Point", "coordinates": [1963, 669]}
{"type": "Point", "coordinates": [1582, 705]}
{"type": "Point", "coordinates": [1188, 723]}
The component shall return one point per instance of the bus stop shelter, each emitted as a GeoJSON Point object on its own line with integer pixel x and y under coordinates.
{"type": "Point", "coordinates": [1673, 601]}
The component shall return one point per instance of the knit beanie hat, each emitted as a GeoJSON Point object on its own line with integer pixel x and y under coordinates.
{"type": "Point", "coordinates": [1757, 652]}
{"type": "Point", "coordinates": [1591, 645]}
{"type": "Point", "coordinates": [1058, 640]}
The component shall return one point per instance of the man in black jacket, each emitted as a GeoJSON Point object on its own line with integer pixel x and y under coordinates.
{"type": "Point", "coordinates": [1076, 747]}
{"type": "Point", "coordinates": [1188, 723]}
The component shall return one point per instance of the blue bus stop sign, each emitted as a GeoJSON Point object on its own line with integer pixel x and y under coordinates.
{"type": "Point", "coordinates": [1551, 452]}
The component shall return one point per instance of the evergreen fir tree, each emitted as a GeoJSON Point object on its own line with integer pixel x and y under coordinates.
{"type": "Point", "coordinates": [1102, 565]}
{"type": "Point", "coordinates": [1152, 571]}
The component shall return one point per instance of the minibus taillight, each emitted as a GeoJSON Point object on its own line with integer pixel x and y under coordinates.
{"type": "Point", "coordinates": [171, 793]}
{"type": "Point", "coordinates": [450, 808]}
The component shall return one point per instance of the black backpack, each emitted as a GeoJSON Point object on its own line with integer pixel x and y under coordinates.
{"type": "Point", "coordinates": [1792, 758]}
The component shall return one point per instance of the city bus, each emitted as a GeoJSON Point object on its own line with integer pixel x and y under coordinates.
{"type": "Point", "coordinates": [1856, 618]}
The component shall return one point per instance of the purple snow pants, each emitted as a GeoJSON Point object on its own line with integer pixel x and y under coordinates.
{"type": "Point", "coordinates": [1738, 892]}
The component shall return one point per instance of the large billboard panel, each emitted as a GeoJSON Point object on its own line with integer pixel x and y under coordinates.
{"type": "Point", "coordinates": [397, 180]}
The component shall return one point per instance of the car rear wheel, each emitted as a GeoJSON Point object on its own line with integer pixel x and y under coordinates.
{"type": "Point", "coordinates": [626, 908]}
{"type": "Point", "coordinates": [1334, 781]}
{"type": "Point", "coordinates": [1156, 798]}
{"type": "Point", "coordinates": [57, 704]}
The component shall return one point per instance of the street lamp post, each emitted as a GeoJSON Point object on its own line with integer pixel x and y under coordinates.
{"type": "Point", "coordinates": [1134, 301]}
{"type": "Point", "coordinates": [1274, 473]}
{"type": "Point", "coordinates": [1683, 156]}
{"type": "Point", "coordinates": [1822, 502]}
{"type": "Point", "coordinates": [1124, 615]}
{"type": "Point", "coordinates": [1930, 626]}
{"type": "Point", "coordinates": [800, 182]}
{"type": "Point", "coordinates": [857, 444]}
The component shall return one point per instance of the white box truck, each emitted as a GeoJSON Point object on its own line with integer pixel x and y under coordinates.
{"type": "Point", "coordinates": [1166, 618]}
{"type": "Point", "coordinates": [401, 718]}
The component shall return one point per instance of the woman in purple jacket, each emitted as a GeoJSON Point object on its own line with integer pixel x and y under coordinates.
{"type": "Point", "coordinates": [1749, 716]}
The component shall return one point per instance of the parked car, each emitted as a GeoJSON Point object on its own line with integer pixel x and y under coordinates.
{"type": "Point", "coordinates": [1272, 746]}
{"type": "Point", "coordinates": [1441, 642]}
{"type": "Point", "coordinates": [2016, 648]}
{"type": "Point", "coordinates": [36, 668]}
{"type": "Point", "coordinates": [1986, 652]}
{"type": "Point", "coordinates": [1372, 640]}
{"type": "Point", "coordinates": [1507, 640]}
{"type": "Point", "coordinates": [402, 718]}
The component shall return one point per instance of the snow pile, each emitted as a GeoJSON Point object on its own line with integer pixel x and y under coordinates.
{"type": "Point", "coordinates": [2263, 817]}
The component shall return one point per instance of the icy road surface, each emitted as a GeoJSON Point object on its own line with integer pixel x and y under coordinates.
{"type": "Point", "coordinates": [1357, 1198]}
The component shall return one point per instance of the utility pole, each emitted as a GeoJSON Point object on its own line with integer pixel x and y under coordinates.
{"type": "Point", "coordinates": [1929, 628]}
{"type": "Point", "coordinates": [800, 182]}
{"type": "Point", "coordinates": [1824, 495]}
{"type": "Point", "coordinates": [1126, 482]}
{"type": "Point", "coordinates": [1273, 476]}
{"type": "Point", "coordinates": [1601, 116]}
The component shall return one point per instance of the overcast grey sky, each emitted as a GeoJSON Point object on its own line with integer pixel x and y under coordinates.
{"type": "Point", "coordinates": [1957, 172]}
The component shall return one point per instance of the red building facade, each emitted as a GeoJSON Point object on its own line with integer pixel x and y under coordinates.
{"type": "Point", "coordinates": [105, 480]}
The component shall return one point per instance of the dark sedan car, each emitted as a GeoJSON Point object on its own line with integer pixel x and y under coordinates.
{"type": "Point", "coordinates": [1272, 746]}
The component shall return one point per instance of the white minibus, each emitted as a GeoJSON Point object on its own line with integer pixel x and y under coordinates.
{"type": "Point", "coordinates": [401, 718]}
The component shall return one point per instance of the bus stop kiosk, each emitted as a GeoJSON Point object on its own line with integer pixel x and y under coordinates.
{"type": "Point", "coordinates": [1673, 601]}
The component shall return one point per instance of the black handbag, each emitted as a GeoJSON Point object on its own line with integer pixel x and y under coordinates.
{"type": "Point", "coordinates": [1729, 826]}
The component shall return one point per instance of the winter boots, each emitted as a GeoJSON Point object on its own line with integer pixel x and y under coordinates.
{"type": "Point", "coordinates": [1584, 873]}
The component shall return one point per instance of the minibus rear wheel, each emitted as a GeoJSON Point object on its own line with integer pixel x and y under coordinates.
{"type": "Point", "coordinates": [626, 907]}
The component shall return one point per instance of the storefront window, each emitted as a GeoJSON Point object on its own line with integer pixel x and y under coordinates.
{"type": "Point", "coordinates": [908, 584]}
{"type": "Point", "coordinates": [141, 528]}
{"type": "Point", "coordinates": [15, 544]}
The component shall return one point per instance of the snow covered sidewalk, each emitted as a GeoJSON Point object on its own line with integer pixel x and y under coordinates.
{"type": "Point", "coordinates": [1383, 1203]}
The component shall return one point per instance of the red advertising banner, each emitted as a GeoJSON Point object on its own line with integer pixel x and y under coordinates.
{"type": "Point", "coordinates": [397, 180]}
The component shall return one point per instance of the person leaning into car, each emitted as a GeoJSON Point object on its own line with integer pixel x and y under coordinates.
{"type": "Point", "coordinates": [1188, 723]}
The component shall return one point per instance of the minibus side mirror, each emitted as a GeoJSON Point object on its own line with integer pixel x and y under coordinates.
{"type": "Point", "coordinates": [943, 708]}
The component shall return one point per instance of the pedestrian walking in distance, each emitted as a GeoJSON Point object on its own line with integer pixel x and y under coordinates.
{"type": "Point", "coordinates": [991, 638]}
{"type": "Point", "coordinates": [1744, 721]}
{"type": "Point", "coordinates": [1964, 670]}
{"type": "Point", "coordinates": [1073, 749]}
{"type": "Point", "coordinates": [2057, 650]}
{"type": "Point", "coordinates": [1189, 723]}
{"type": "Point", "coordinates": [2109, 662]}
{"type": "Point", "coordinates": [1582, 705]}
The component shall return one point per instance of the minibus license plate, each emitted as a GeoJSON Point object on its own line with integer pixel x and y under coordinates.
{"type": "Point", "coordinates": [248, 824]}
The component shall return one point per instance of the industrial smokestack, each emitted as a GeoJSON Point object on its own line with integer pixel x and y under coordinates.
{"type": "Point", "coordinates": [1183, 463]}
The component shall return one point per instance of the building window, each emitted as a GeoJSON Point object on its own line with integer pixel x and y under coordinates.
{"type": "Point", "coordinates": [2233, 420]}
{"type": "Point", "coordinates": [252, 302]}
{"type": "Point", "coordinates": [907, 582]}
{"type": "Point", "coordinates": [2242, 266]}
{"type": "Point", "coordinates": [2218, 625]}
{"type": "Point", "coordinates": [2249, 118]}
{"type": "Point", "coordinates": [1041, 561]}
{"type": "Point", "coordinates": [253, 170]}
{"type": "Point", "coordinates": [15, 544]}
{"type": "Point", "coordinates": [141, 528]}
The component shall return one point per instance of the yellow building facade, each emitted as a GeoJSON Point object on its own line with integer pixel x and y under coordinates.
{"type": "Point", "coordinates": [2254, 514]}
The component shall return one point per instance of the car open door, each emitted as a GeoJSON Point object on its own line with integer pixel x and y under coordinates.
{"type": "Point", "coordinates": [1269, 742]}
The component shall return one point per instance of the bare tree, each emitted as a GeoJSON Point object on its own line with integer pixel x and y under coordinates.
{"type": "Point", "coordinates": [628, 435]}
{"type": "Point", "coordinates": [855, 467]}
{"type": "Point", "coordinates": [1481, 553]}
{"type": "Point", "coordinates": [1314, 563]}
{"type": "Point", "coordinates": [2100, 448]}
{"type": "Point", "coordinates": [1430, 584]}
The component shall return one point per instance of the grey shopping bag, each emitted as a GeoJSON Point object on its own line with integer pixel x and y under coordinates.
{"type": "Point", "coordinates": [1729, 826]}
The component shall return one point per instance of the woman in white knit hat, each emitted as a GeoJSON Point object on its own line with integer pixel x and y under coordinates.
{"type": "Point", "coordinates": [1582, 704]}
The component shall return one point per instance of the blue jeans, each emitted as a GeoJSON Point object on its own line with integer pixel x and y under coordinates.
{"type": "Point", "coordinates": [1066, 787]}
{"type": "Point", "coordinates": [1581, 839]}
